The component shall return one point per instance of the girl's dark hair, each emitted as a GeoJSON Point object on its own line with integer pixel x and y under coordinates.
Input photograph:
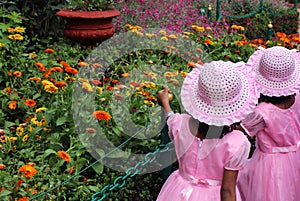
{"type": "Point", "coordinates": [274, 99]}
{"type": "Point", "coordinates": [203, 129]}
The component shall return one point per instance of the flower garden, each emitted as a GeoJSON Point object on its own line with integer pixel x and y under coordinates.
{"type": "Point", "coordinates": [60, 102]}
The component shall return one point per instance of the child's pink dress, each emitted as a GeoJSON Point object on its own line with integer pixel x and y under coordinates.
{"type": "Point", "coordinates": [273, 172]}
{"type": "Point", "coordinates": [201, 163]}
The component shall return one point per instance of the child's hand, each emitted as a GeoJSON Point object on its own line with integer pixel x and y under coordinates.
{"type": "Point", "coordinates": [163, 96]}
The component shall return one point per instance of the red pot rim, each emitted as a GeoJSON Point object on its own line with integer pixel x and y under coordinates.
{"type": "Point", "coordinates": [88, 14]}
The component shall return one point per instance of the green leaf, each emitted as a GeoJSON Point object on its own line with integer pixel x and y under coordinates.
{"type": "Point", "coordinates": [8, 124]}
{"type": "Point", "coordinates": [36, 130]}
{"type": "Point", "coordinates": [5, 193]}
{"type": "Point", "coordinates": [60, 121]}
{"type": "Point", "coordinates": [98, 167]}
{"type": "Point", "coordinates": [94, 188]}
{"type": "Point", "coordinates": [48, 152]}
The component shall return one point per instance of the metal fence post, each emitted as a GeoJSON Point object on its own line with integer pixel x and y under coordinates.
{"type": "Point", "coordinates": [295, 5]}
{"type": "Point", "coordinates": [209, 8]}
{"type": "Point", "coordinates": [218, 10]}
{"type": "Point", "coordinates": [270, 31]}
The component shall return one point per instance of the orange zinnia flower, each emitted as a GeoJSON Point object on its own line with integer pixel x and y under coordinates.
{"type": "Point", "coordinates": [114, 81]}
{"type": "Point", "coordinates": [2, 166]}
{"type": "Point", "coordinates": [41, 66]}
{"type": "Point", "coordinates": [125, 74]}
{"type": "Point", "coordinates": [135, 84]}
{"type": "Point", "coordinates": [23, 199]}
{"type": "Point", "coordinates": [36, 79]}
{"type": "Point", "coordinates": [96, 82]}
{"type": "Point", "coordinates": [209, 42]}
{"type": "Point", "coordinates": [17, 74]}
{"type": "Point", "coordinates": [12, 105]}
{"type": "Point", "coordinates": [60, 84]}
{"type": "Point", "coordinates": [102, 115]}
{"type": "Point", "coordinates": [71, 70]}
{"type": "Point", "coordinates": [7, 90]}
{"type": "Point", "coordinates": [65, 64]}
{"type": "Point", "coordinates": [47, 74]}
{"type": "Point", "coordinates": [64, 155]}
{"type": "Point", "coordinates": [280, 35]}
{"type": "Point", "coordinates": [49, 50]}
{"type": "Point", "coordinates": [30, 102]}
{"type": "Point", "coordinates": [72, 170]}
{"type": "Point", "coordinates": [28, 170]}
{"type": "Point", "coordinates": [191, 64]}
{"type": "Point", "coordinates": [57, 69]}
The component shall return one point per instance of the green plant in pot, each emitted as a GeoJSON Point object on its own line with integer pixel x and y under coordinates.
{"type": "Point", "coordinates": [90, 5]}
{"type": "Point", "coordinates": [89, 22]}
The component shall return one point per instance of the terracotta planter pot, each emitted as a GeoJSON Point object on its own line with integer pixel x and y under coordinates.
{"type": "Point", "coordinates": [88, 27]}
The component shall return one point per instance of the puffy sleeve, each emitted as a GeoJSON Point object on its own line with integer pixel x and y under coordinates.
{"type": "Point", "coordinates": [253, 123]}
{"type": "Point", "coordinates": [238, 160]}
{"type": "Point", "coordinates": [179, 132]}
{"type": "Point", "coordinates": [174, 124]}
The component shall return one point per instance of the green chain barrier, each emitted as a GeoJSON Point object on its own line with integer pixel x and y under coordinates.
{"type": "Point", "coordinates": [120, 181]}
{"type": "Point", "coordinates": [91, 165]}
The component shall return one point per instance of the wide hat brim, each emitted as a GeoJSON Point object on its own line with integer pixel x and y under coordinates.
{"type": "Point", "coordinates": [219, 115]}
{"type": "Point", "coordinates": [275, 88]}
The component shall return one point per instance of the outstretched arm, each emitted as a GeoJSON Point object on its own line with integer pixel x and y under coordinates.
{"type": "Point", "coordinates": [229, 185]}
{"type": "Point", "coordinates": [163, 99]}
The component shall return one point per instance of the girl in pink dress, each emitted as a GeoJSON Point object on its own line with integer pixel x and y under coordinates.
{"type": "Point", "coordinates": [210, 151]}
{"type": "Point", "coordinates": [273, 172]}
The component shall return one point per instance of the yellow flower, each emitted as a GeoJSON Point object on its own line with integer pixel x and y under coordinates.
{"type": "Point", "coordinates": [149, 84]}
{"type": "Point", "coordinates": [172, 36]}
{"type": "Point", "coordinates": [19, 29]}
{"type": "Point", "coordinates": [100, 89]}
{"type": "Point", "coordinates": [19, 130]}
{"type": "Point", "coordinates": [139, 33]}
{"type": "Point", "coordinates": [2, 45]}
{"type": "Point", "coordinates": [163, 32]}
{"type": "Point", "coordinates": [187, 33]}
{"type": "Point", "coordinates": [149, 35]}
{"type": "Point", "coordinates": [198, 28]}
{"type": "Point", "coordinates": [15, 37]}
{"type": "Point", "coordinates": [146, 102]}
{"type": "Point", "coordinates": [47, 129]}
{"type": "Point", "coordinates": [30, 127]}
{"type": "Point", "coordinates": [10, 29]}
{"type": "Point", "coordinates": [208, 28]}
{"type": "Point", "coordinates": [136, 27]}
{"type": "Point", "coordinates": [13, 139]}
{"type": "Point", "coordinates": [46, 82]}
{"type": "Point", "coordinates": [164, 38]}
{"type": "Point", "coordinates": [87, 87]}
{"type": "Point", "coordinates": [43, 122]}
{"type": "Point", "coordinates": [234, 27]}
{"type": "Point", "coordinates": [25, 138]}
{"type": "Point", "coordinates": [40, 109]}
{"type": "Point", "coordinates": [241, 28]}
{"type": "Point", "coordinates": [32, 55]}
{"type": "Point", "coordinates": [170, 74]}
{"type": "Point", "coordinates": [51, 88]}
